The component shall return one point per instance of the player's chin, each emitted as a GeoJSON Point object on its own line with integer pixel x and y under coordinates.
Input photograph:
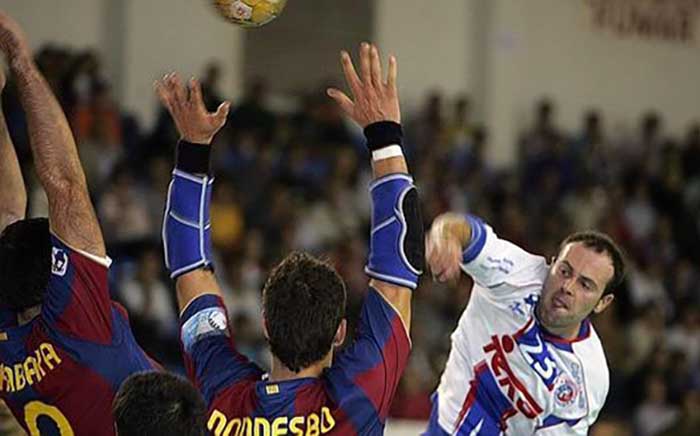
{"type": "Point", "coordinates": [557, 316]}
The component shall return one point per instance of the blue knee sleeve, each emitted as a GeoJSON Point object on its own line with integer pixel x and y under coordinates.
{"type": "Point", "coordinates": [186, 224]}
{"type": "Point", "coordinates": [397, 253]}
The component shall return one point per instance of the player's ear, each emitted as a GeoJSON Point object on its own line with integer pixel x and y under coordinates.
{"type": "Point", "coordinates": [603, 303]}
{"type": "Point", "coordinates": [340, 333]}
{"type": "Point", "coordinates": [264, 326]}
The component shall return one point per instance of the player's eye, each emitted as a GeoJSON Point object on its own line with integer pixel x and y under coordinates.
{"type": "Point", "coordinates": [565, 272]}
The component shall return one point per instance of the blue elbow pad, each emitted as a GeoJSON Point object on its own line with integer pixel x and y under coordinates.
{"type": "Point", "coordinates": [397, 247]}
{"type": "Point", "coordinates": [186, 224]}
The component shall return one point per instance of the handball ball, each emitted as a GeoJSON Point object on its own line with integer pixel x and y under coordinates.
{"type": "Point", "coordinates": [249, 13]}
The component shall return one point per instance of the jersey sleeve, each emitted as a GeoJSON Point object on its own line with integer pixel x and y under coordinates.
{"type": "Point", "coordinates": [211, 359]}
{"type": "Point", "coordinates": [77, 301]}
{"type": "Point", "coordinates": [364, 377]}
{"type": "Point", "coordinates": [493, 262]}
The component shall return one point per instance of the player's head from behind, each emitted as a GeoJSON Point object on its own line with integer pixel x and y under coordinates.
{"type": "Point", "coordinates": [304, 307]}
{"type": "Point", "coordinates": [581, 280]}
{"type": "Point", "coordinates": [158, 403]}
{"type": "Point", "coordinates": [25, 263]}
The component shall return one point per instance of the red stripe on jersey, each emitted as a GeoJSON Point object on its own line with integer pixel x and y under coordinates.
{"type": "Point", "coordinates": [471, 395]}
{"type": "Point", "coordinates": [81, 395]}
{"type": "Point", "coordinates": [379, 383]}
{"type": "Point", "coordinates": [88, 314]}
{"type": "Point", "coordinates": [236, 401]}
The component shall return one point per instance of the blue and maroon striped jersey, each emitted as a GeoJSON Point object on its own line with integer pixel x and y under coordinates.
{"type": "Point", "coordinates": [352, 397]}
{"type": "Point", "coordinates": [61, 371]}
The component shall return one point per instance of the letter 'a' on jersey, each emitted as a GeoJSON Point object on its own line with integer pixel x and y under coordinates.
{"type": "Point", "coordinates": [351, 398]}
{"type": "Point", "coordinates": [506, 375]}
{"type": "Point", "coordinates": [61, 371]}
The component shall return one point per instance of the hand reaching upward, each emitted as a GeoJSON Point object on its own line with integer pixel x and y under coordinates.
{"type": "Point", "coordinates": [186, 106]}
{"type": "Point", "coordinates": [374, 97]}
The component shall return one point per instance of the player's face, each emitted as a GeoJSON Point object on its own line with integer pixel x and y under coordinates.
{"type": "Point", "coordinates": [574, 287]}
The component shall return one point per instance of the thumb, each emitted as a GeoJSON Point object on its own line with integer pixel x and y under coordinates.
{"type": "Point", "coordinates": [343, 100]}
{"type": "Point", "coordinates": [222, 112]}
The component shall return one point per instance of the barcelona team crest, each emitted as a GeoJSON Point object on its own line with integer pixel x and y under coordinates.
{"type": "Point", "coordinates": [59, 262]}
{"type": "Point", "coordinates": [565, 391]}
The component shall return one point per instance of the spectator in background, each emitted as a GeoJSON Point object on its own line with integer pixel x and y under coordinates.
{"type": "Point", "coordinates": [227, 221]}
{"type": "Point", "coordinates": [655, 414]}
{"type": "Point", "coordinates": [98, 132]}
{"type": "Point", "coordinates": [685, 335]}
{"type": "Point", "coordinates": [689, 420]}
{"type": "Point", "coordinates": [252, 115]}
{"type": "Point", "coordinates": [211, 83]}
{"type": "Point", "coordinates": [543, 138]}
{"type": "Point", "coordinates": [123, 211]}
{"type": "Point", "coordinates": [428, 130]}
{"type": "Point", "coordinates": [151, 309]}
{"type": "Point", "coordinates": [644, 335]}
{"type": "Point", "coordinates": [691, 153]}
{"type": "Point", "coordinates": [460, 126]}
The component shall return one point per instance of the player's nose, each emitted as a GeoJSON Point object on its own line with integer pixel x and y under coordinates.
{"type": "Point", "coordinates": [568, 286]}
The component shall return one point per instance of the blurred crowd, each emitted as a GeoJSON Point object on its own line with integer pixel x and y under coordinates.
{"type": "Point", "coordinates": [297, 180]}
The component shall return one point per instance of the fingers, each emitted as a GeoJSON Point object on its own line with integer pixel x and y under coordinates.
{"type": "Point", "coordinates": [343, 100]}
{"type": "Point", "coordinates": [177, 89]}
{"type": "Point", "coordinates": [376, 67]}
{"type": "Point", "coordinates": [365, 64]}
{"type": "Point", "coordinates": [196, 93]}
{"type": "Point", "coordinates": [163, 91]}
{"type": "Point", "coordinates": [391, 76]}
{"type": "Point", "coordinates": [351, 76]}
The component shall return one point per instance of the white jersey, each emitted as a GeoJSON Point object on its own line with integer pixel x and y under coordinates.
{"type": "Point", "coordinates": [505, 374]}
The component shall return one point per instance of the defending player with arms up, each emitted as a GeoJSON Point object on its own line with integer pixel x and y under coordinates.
{"type": "Point", "coordinates": [310, 390]}
{"type": "Point", "coordinates": [64, 346]}
{"type": "Point", "coordinates": [525, 358]}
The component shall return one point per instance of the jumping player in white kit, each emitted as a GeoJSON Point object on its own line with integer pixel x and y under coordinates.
{"type": "Point", "coordinates": [525, 359]}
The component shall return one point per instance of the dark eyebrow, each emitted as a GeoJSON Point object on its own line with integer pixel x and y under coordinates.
{"type": "Point", "coordinates": [586, 279]}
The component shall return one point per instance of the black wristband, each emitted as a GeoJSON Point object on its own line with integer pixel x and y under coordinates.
{"type": "Point", "coordinates": [382, 134]}
{"type": "Point", "coordinates": [193, 158]}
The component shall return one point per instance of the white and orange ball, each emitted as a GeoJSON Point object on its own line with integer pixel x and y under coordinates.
{"type": "Point", "coordinates": [249, 13]}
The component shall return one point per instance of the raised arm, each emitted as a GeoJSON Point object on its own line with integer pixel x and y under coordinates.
{"type": "Point", "coordinates": [396, 241]}
{"type": "Point", "coordinates": [71, 214]}
{"type": "Point", "coordinates": [13, 196]}
{"type": "Point", "coordinates": [186, 226]}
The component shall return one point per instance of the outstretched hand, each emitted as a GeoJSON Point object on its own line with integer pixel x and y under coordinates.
{"type": "Point", "coordinates": [185, 104]}
{"type": "Point", "coordinates": [374, 97]}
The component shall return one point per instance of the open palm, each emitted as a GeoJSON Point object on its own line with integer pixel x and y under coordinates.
{"type": "Point", "coordinates": [185, 104]}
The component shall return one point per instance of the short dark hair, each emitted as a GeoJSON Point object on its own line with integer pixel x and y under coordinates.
{"type": "Point", "coordinates": [601, 243]}
{"type": "Point", "coordinates": [25, 263]}
{"type": "Point", "coordinates": [304, 301]}
{"type": "Point", "coordinates": [158, 403]}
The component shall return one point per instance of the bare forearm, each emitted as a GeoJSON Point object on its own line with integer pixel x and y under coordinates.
{"type": "Point", "coordinates": [71, 214]}
{"type": "Point", "coordinates": [392, 165]}
{"type": "Point", "coordinates": [13, 196]}
{"type": "Point", "coordinates": [53, 147]}
{"type": "Point", "coordinates": [195, 284]}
